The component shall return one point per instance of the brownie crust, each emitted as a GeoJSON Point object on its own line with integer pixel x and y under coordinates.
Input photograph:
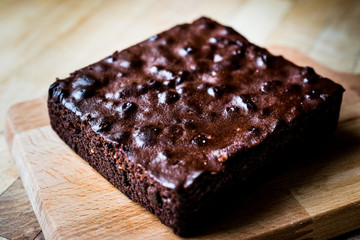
{"type": "Point", "coordinates": [175, 121]}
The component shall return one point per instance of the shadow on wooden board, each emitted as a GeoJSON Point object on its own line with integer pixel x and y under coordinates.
{"type": "Point", "coordinates": [268, 200]}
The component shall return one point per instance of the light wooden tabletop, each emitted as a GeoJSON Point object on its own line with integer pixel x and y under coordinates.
{"type": "Point", "coordinates": [42, 40]}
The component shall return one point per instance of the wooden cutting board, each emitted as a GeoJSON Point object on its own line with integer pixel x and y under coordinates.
{"type": "Point", "coordinates": [317, 198]}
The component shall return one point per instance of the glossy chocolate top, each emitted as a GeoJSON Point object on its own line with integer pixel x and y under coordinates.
{"type": "Point", "coordinates": [186, 100]}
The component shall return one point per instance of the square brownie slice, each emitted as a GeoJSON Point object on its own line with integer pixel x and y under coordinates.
{"type": "Point", "coordinates": [175, 120]}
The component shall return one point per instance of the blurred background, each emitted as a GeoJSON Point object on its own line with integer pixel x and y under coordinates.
{"type": "Point", "coordinates": [42, 40]}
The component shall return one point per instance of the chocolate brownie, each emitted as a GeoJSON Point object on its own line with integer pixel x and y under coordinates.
{"type": "Point", "coordinates": [175, 120]}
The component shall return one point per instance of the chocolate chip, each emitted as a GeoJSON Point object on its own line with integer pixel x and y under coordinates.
{"type": "Point", "coordinates": [153, 38]}
{"type": "Point", "coordinates": [168, 41]}
{"type": "Point", "coordinates": [232, 109]}
{"type": "Point", "coordinates": [214, 91]}
{"type": "Point", "coordinates": [260, 62]}
{"type": "Point", "coordinates": [128, 107]}
{"type": "Point", "coordinates": [270, 86]}
{"type": "Point", "coordinates": [230, 30]}
{"type": "Point", "coordinates": [293, 88]}
{"type": "Point", "coordinates": [248, 101]}
{"type": "Point", "coordinates": [309, 80]}
{"type": "Point", "coordinates": [222, 41]}
{"type": "Point", "coordinates": [142, 88]}
{"type": "Point", "coordinates": [62, 96]}
{"type": "Point", "coordinates": [208, 25]}
{"type": "Point", "coordinates": [225, 65]}
{"type": "Point", "coordinates": [179, 80]}
{"type": "Point", "coordinates": [127, 91]}
{"type": "Point", "coordinates": [102, 124]}
{"type": "Point", "coordinates": [193, 107]}
{"type": "Point", "coordinates": [57, 90]}
{"type": "Point", "coordinates": [225, 88]}
{"type": "Point", "coordinates": [172, 97]}
{"type": "Point", "coordinates": [238, 52]}
{"type": "Point", "coordinates": [147, 135]}
{"type": "Point", "coordinates": [110, 60]}
{"type": "Point", "coordinates": [136, 63]}
{"type": "Point", "coordinates": [169, 83]}
{"type": "Point", "coordinates": [184, 91]}
{"type": "Point", "coordinates": [182, 77]}
{"type": "Point", "coordinates": [209, 51]}
{"type": "Point", "coordinates": [200, 140]}
{"type": "Point", "coordinates": [264, 60]}
{"type": "Point", "coordinates": [313, 94]}
{"type": "Point", "coordinates": [307, 71]}
{"type": "Point", "coordinates": [153, 84]}
{"type": "Point", "coordinates": [83, 81]}
{"type": "Point", "coordinates": [79, 94]}
{"type": "Point", "coordinates": [119, 137]}
{"type": "Point", "coordinates": [309, 75]}
{"type": "Point", "coordinates": [265, 112]}
{"type": "Point", "coordinates": [202, 86]}
{"type": "Point", "coordinates": [186, 50]}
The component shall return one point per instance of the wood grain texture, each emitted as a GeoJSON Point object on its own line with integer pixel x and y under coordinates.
{"type": "Point", "coordinates": [8, 174]}
{"type": "Point", "coordinates": [16, 213]}
{"type": "Point", "coordinates": [319, 197]}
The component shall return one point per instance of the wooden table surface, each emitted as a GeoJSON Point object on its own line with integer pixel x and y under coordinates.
{"type": "Point", "coordinates": [42, 40]}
